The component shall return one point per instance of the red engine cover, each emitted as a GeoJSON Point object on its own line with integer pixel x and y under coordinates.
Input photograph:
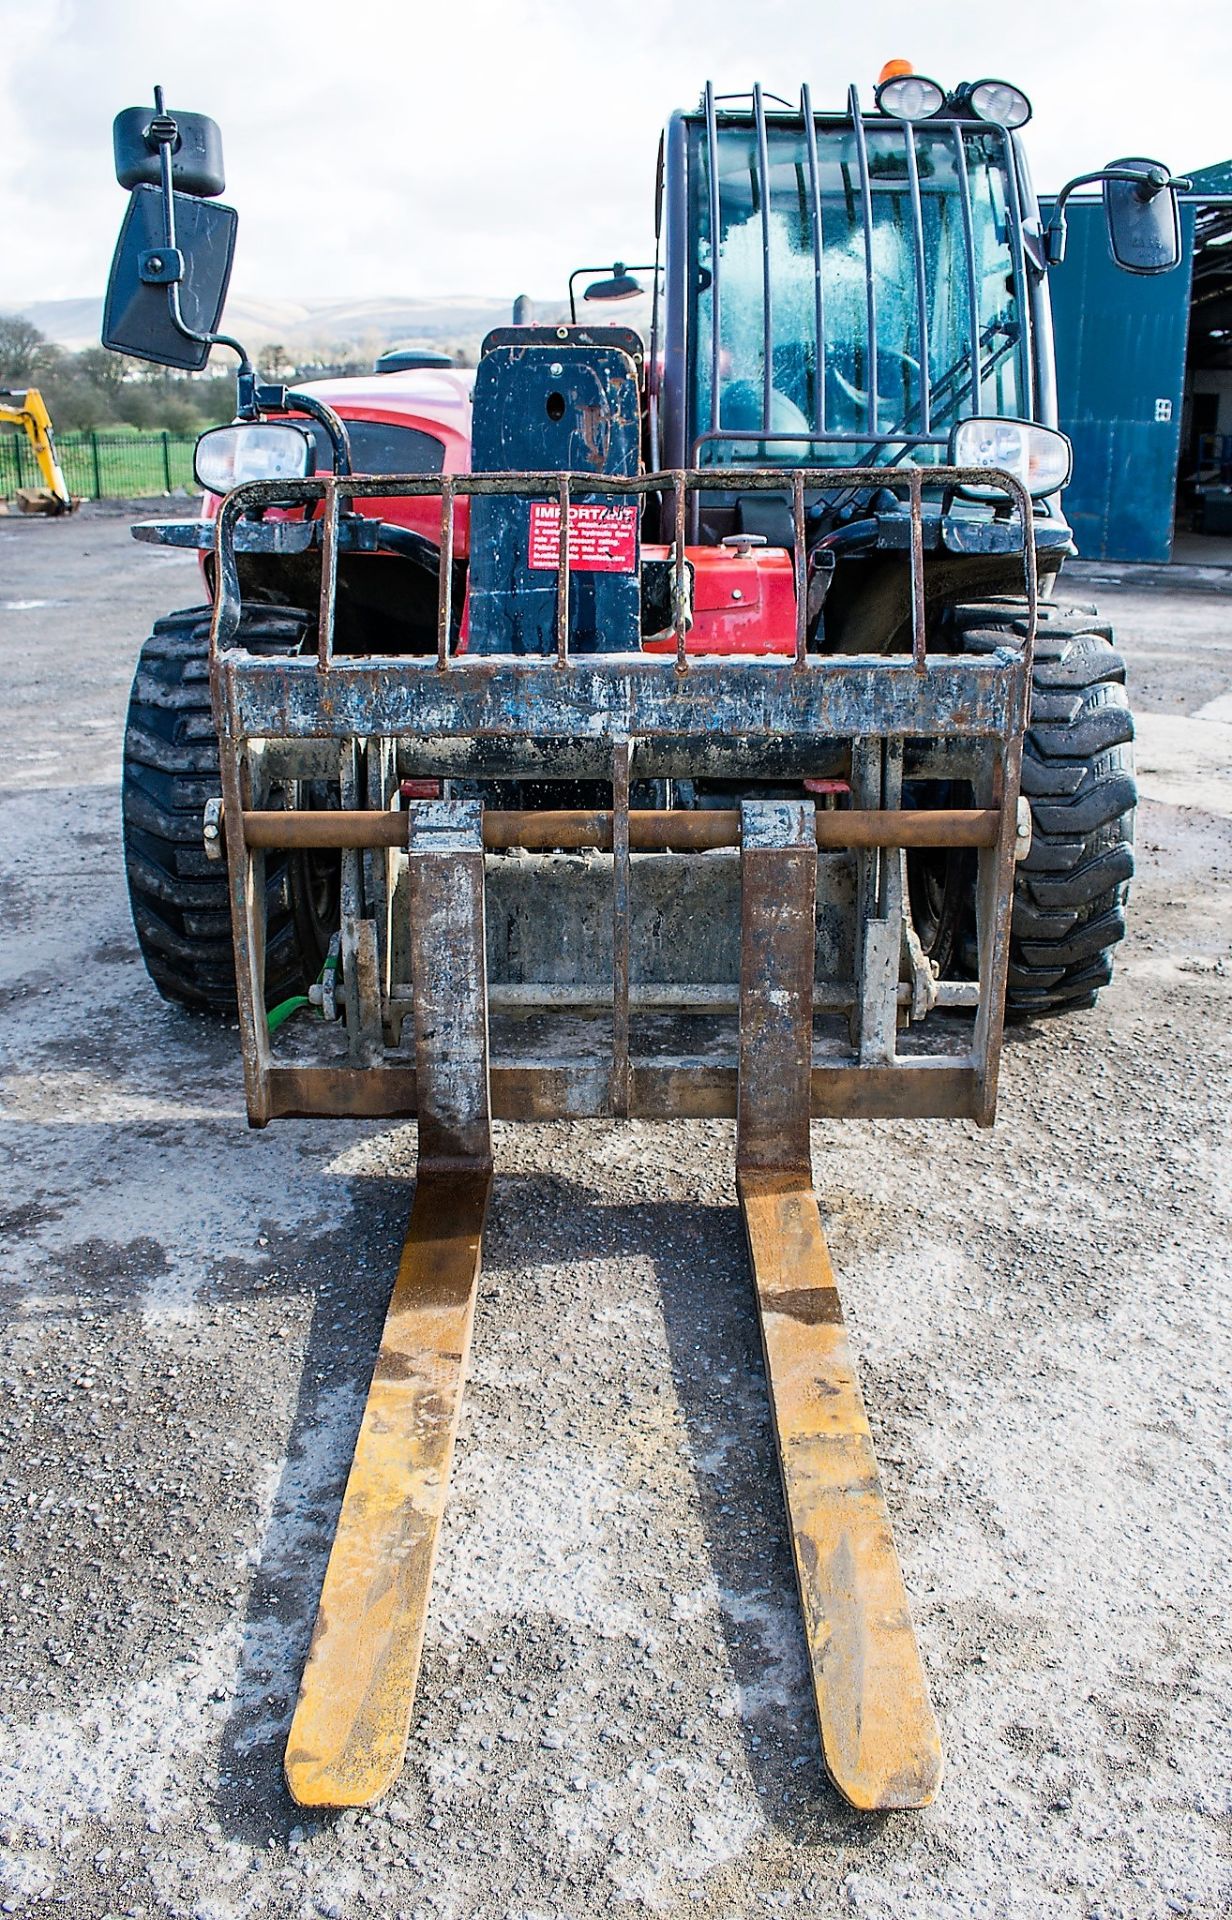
{"type": "Point", "coordinates": [742, 602]}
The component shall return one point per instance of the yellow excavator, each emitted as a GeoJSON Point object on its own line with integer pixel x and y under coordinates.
{"type": "Point", "coordinates": [28, 411]}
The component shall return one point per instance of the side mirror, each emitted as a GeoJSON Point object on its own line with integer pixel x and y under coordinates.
{"type": "Point", "coordinates": [620, 286]}
{"type": "Point", "coordinates": [173, 258]}
{"type": "Point", "coordinates": [196, 151]}
{"type": "Point", "coordinates": [140, 312]}
{"type": "Point", "coordinates": [1143, 216]}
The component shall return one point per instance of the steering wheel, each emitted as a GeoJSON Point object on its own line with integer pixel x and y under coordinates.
{"type": "Point", "coordinates": [859, 395]}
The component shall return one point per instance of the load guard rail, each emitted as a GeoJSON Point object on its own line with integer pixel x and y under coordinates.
{"type": "Point", "coordinates": [372, 723]}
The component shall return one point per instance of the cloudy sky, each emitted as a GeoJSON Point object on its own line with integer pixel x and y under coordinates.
{"type": "Point", "coordinates": [418, 147]}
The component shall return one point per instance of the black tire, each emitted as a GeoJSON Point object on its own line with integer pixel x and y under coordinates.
{"type": "Point", "coordinates": [1078, 774]}
{"type": "Point", "coordinates": [180, 900]}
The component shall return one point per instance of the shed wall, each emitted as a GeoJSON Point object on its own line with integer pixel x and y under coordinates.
{"type": "Point", "coordinates": [1120, 343]}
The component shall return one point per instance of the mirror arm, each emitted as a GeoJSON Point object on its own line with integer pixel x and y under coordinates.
{"type": "Point", "coordinates": [254, 399]}
{"type": "Point", "coordinates": [169, 269]}
{"type": "Point", "coordinates": [335, 426]}
{"type": "Point", "coordinates": [211, 339]}
{"type": "Point", "coordinates": [247, 406]}
{"type": "Point", "coordinates": [1055, 233]}
{"type": "Point", "coordinates": [1149, 185]}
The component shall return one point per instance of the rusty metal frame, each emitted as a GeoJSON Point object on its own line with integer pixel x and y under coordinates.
{"type": "Point", "coordinates": [622, 757]}
{"type": "Point", "coordinates": [647, 830]}
{"type": "Point", "coordinates": [326, 491]}
{"type": "Point", "coordinates": [594, 714]}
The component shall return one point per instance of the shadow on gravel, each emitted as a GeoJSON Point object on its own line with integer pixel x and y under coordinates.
{"type": "Point", "coordinates": [705, 1287]}
{"type": "Point", "coordinates": [700, 1266]}
{"type": "Point", "coordinates": [710, 1319]}
{"type": "Point", "coordinates": [719, 1375]}
{"type": "Point", "coordinates": [349, 1275]}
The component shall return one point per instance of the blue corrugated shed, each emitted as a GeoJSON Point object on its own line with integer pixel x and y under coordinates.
{"type": "Point", "coordinates": [1120, 379]}
{"type": "Point", "coordinates": [1216, 180]}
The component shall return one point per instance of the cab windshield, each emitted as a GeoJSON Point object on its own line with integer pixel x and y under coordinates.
{"type": "Point", "coordinates": [926, 217]}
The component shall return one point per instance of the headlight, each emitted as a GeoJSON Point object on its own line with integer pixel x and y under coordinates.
{"type": "Point", "coordinates": [259, 450]}
{"type": "Point", "coordinates": [909, 96]}
{"type": "Point", "coordinates": [1036, 456]}
{"type": "Point", "coordinates": [997, 101]}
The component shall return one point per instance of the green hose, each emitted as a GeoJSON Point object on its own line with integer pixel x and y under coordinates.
{"type": "Point", "coordinates": [283, 1011]}
{"type": "Point", "coordinates": [285, 1008]}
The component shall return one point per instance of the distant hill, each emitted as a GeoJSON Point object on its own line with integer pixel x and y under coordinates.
{"type": "Point", "coordinates": [315, 328]}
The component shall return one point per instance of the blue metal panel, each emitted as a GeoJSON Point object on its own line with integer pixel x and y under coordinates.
{"type": "Point", "coordinates": [1120, 341]}
{"type": "Point", "coordinates": [553, 409]}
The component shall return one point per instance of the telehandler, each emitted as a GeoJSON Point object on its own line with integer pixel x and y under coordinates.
{"type": "Point", "coordinates": [666, 727]}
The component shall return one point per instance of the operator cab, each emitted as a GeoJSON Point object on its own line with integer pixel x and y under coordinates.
{"type": "Point", "coordinates": [869, 289]}
{"type": "Point", "coordinates": [866, 291]}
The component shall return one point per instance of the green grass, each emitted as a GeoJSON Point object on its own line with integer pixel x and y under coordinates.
{"type": "Point", "coordinates": [105, 466]}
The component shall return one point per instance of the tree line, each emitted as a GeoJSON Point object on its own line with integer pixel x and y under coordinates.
{"type": "Point", "coordinates": [96, 390]}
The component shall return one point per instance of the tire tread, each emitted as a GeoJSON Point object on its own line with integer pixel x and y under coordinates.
{"type": "Point", "coordinates": [180, 900]}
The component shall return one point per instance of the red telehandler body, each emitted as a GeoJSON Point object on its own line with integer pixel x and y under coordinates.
{"type": "Point", "coordinates": [683, 727]}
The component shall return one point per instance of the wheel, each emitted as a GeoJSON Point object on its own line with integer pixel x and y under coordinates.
{"type": "Point", "coordinates": [942, 889]}
{"type": "Point", "coordinates": [180, 900]}
{"type": "Point", "coordinates": [1078, 775]}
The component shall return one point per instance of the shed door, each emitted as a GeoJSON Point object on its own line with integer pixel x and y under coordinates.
{"type": "Point", "coordinates": [1120, 381]}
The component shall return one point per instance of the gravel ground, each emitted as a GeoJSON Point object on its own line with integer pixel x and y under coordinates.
{"type": "Point", "coordinates": [613, 1705]}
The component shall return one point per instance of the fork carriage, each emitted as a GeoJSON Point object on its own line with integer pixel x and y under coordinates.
{"type": "Point", "coordinates": [754, 960]}
{"type": "Point", "coordinates": [610, 938]}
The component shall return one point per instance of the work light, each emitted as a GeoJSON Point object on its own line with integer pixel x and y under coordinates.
{"type": "Point", "coordinates": [1038, 457]}
{"type": "Point", "coordinates": [997, 101]}
{"type": "Point", "coordinates": [257, 450]}
{"type": "Point", "coordinates": [621, 286]}
{"type": "Point", "coordinates": [909, 96]}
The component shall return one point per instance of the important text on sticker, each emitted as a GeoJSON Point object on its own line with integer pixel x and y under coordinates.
{"type": "Point", "coordinates": [602, 539]}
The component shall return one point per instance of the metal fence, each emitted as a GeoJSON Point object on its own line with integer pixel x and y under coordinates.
{"type": "Point", "coordinates": [104, 466]}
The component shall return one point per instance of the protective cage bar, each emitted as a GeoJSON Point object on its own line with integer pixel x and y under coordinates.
{"type": "Point", "coordinates": [331, 492]}
{"type": "Point", "coordinates": [934, 399]}
{"type": "Point", "coordinates": [620, 718]}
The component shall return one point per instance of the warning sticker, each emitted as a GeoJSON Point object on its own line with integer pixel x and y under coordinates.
{"type": "Point", "coordinates": [601, 539]}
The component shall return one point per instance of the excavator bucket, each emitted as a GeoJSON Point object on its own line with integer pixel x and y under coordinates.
{"type": "Point", "coordinates": [43, 500]}
{"type": "Point", "coordinates": [640, 958]}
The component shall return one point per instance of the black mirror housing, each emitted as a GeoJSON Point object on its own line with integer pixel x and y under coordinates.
{"type": "Point", "coordinates": [137, 315]}
{"type": "Point", "coordinates": [196, 155]}
{"type": "Point", "coordinates": [1143, 217]}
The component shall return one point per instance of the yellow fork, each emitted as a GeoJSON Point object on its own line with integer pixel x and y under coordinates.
{"type": "Point", "coordinates": [879, 1737]}
{"type": "Point", "coordinates": [349, 1735]}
